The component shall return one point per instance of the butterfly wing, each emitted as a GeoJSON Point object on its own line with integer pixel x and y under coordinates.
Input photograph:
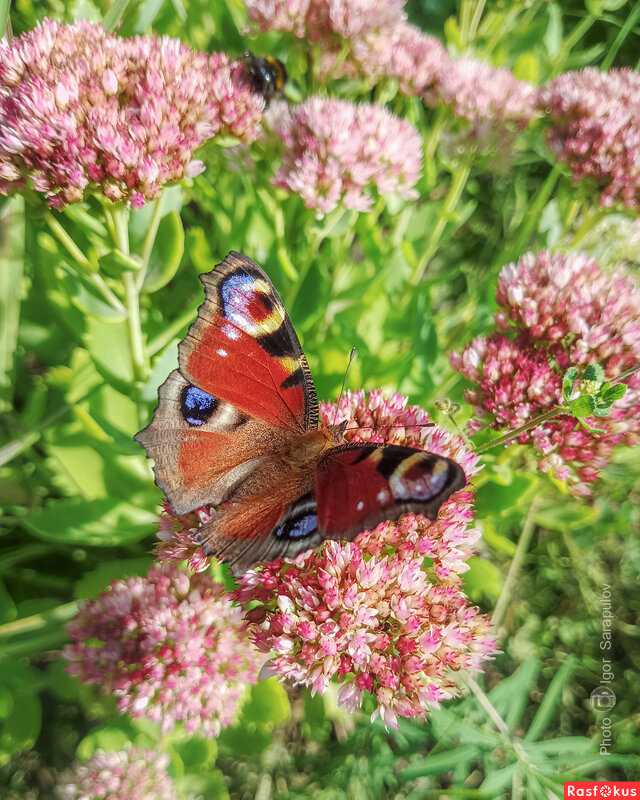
{"type": "Point", "coordinates": [359, 485]}
{"type": "Point", "coordinates": [356, 486]}
{"type": "Point", "coordinates": [242, 389]}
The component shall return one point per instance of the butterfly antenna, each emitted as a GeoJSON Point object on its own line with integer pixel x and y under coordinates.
{"type": "Point", "coordinates": [352, 355]}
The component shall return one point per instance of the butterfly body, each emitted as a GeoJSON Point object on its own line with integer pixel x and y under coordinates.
{"type": "Point", "coordinates": [236, 428]}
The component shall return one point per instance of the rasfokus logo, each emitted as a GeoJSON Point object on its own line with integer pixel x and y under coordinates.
{"type": "Point", "coordinates": [602, 789]}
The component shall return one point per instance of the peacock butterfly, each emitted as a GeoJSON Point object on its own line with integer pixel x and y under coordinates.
{"type": "Point", "coordinates": [237, 425]}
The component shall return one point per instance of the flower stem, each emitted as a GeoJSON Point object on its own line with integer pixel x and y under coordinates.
{"type": "Point", "coordinates": [82, 261]}
{"type": "Point", "coordinates": [37, 622]}
{"type": "Point", "coordinates": [516, 564]}
{"type": "Point", "coordinates": [554, 412]}
{"type": "Point", "coordinates": [622, 377]}
{"type": "Point", "coordinates": [149, 239]}
{"type": "Point", "coordinates": [542, 197]}
{"type": "Point", "coordinates": [139, 356]}
{"type": "Point", "coordinates": [500, 725]}
{"type": "Point", "coordinates": [458, 182]}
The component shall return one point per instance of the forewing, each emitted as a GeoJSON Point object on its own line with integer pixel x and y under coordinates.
{"type": "Point", "coordinates": [243, 349]}
{"type": "Point", "coordinates": [242, 390]}
{"type": "Point", "coordinates": [204, 449]}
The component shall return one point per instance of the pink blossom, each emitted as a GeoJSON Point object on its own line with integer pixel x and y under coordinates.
{"type": "Point", "coordinates": [383, 614]}
{"type": "Point", "coordinates": [82, 110]}
{"type": "Point", "coordinates": [169, 646]}
{"type": "Point", "coordinates": [337, 152]}
{"type": "Point", "coordinates": [565, 312]}
{"type": "Point", "coordinates": [177, 537]}
{"type": "Point", "coordinates": [479, 92]}
{"type": "Point", "coordinates": [597, 129]}
{"type": "Point", "coordinates": [317, 20]}
{"type": "Point", "coordinates": [131, 774]}
{"type": "Point", "coordinates": [415, 59]}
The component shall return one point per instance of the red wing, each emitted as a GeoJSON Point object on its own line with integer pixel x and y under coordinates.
{"type": "Point", "coordinates": [242, 390]}
{"type": "Point", "coordinates": [359, 485]}
{"type": "Point", "coordinates": [243, 349]}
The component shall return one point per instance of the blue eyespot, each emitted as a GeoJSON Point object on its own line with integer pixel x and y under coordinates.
{"type": "Point", "coordinates": [196, 406]}
{"type": "Point", "coordinates": [297, 528]}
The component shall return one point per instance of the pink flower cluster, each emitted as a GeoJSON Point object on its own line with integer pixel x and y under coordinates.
{"type": "Point", "coordinates": [385, 614]}
{"type": "Point", "coordinates": [317, 19]}
{"type": "Point", "coordinates": [597, 129]}
{"type": "Point", "coordinates": [337, 152]}
{"type": "Point", "coordinates": [82, 110]}
{"type": "Point", "coordinates": [484, 95]}
{"type": "Point", "coordinates": [375, 40]}
{"type": "Point", "coordinates": [566, 312]}
{"type": "Point", "coordinates": [132, 774]}
{"type": "Point", "coordinates": [170, 646]}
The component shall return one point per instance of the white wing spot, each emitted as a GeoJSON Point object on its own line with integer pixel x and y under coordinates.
{"type": "Point", "coordinates": [383, 496]}
{"type": "Point", "coordinates": [230, 332]}
{"type": "Point", "coordinates": [360, 506]}
{"type": "Point", "coordinates": [222, 352]}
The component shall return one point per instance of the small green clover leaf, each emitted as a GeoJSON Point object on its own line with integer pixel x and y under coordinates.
{"type": "Point", "coordinates": [568, 382]}
{"type": "Point", "coordinates": [595, 396]}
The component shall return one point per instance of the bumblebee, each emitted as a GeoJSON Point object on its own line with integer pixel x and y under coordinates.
{"type": "Point", "coordinates": [267, 75]}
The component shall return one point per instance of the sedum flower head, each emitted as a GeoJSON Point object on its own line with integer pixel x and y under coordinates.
{"type": "Point", "coordinates": [131, 774]}
{"type": "Point", "coordinates": [565, 312]}
{"type": "Point", "coordinates": [596, 129]}
{"type": "Point", "coordinates": [82, 110]}
{"type": "Point", "coordinates": [384, 615]}
{"type": "Point", "coordinates": [338, 152]}
{"type": "Point", "coordinates": [318, 20]}
{"type": "Point", "coordinates": [479, 92]}
{"type": "Point", "coordinates": [169, 646]}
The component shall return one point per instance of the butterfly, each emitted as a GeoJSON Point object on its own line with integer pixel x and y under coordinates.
{"type": "Point", "coordinates": [236, 427]}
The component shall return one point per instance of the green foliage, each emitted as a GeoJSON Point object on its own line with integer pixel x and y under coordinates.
{"type": "Point", "coordinates": [93, 303]}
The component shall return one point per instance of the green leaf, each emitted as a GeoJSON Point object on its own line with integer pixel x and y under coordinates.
{"type": "Point", "coordinates": [493, 498]}
{"type": "Point", "coordinates": [553, 35]}
{"type": "Point", "coordinates": [562, 516]}
{"type": "Point", "coordinates": [63, 685]}
{"type": "Point", "coordinates": [511, 695]}
{"type": "Point", "coordinates": [97, 580]}
{"type": "Point", "coordinates": [195, 752]}
{"type": "Point", "coordinates": [21, 727]}
{"type": "Point", "coordinates": [568, 381]}
{"type": "Point", "coordinates": [442, 762]}
{"type": "Point", "coordinates": [115, 263]}
{"type": "Point", "coordinates": [483, 580]}
{"type": "Point", "coordinates": [527, 67]}
{"type": "Point", "coordinates": [166, 253]}
{"type": "Point", "coordinates": [582, 406]}
{"type": "Point", "coordinates": [593, 372]}
{"type": "Point", "coordinates": [113, 735]}
{"type": "Point", "coordinates": [551, 700]}
{"type": "Point", "coordinates": [268, 703]}
{"type": "Point", "coordinates": [109, 346]}
{"type": "Point", "coordinates": [95, 523]}
{"type": "Point", "coordinates": [613, 393]}
{"type": "Point", "coordinates": [247, 739]}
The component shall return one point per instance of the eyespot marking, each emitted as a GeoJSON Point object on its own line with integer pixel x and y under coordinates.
{"type": "Point", "coordinates": [196, 406]}
{"type": "Point", "coordinates": [297, 528]}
